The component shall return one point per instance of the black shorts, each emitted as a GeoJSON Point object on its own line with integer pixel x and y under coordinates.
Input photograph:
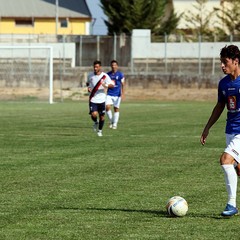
{"type": "Point", "coordinates": [97, 107]}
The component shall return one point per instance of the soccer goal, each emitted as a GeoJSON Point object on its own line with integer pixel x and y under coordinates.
{"type": "Point", "coordinates": [27, 67]}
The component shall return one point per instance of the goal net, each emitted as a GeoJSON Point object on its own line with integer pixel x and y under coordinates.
{"type": "Point", "coordinates": [27, 72]}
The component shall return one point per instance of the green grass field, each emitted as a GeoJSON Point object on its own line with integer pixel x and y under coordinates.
{"type": "Point", "coordinates": [60, 181]}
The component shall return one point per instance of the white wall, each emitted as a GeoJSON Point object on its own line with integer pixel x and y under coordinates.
{"type": "Point", "coordinates": [60, 50]}
{"type": "Point", "coordinates": [142, 47]}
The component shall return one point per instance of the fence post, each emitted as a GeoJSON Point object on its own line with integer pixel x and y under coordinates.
{"type": "Point", "coordinates": [180, 60]}
{"type": "Point", "coordinates": [165, 52]}
{"type": "Point", "coordinates": [51, 77]}
{"type": "Point", "coordinates": [64, 56]}
{"type": "Point", "coordinates": [29, 56]}
{"type": "Point", "coordinates": [214, 60]}
{"type": "Point", "coordinates": [131, 57]}
{"type": "Point", "coordinates": [199, 55]}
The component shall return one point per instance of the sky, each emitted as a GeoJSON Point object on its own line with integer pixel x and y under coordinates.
{"type": "Point", "coordinates": [98, 27]}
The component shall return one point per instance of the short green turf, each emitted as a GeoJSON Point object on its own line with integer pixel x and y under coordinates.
{"type": "Point", "coordinates": [59, 180]}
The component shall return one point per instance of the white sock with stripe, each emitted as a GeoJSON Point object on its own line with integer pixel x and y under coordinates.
{"type": "Point", "coordinates": [109, 114]}
{"type": "Point", "coordinates": [115, 118]}
{"type": "Point", "coordinates": [231, 180]}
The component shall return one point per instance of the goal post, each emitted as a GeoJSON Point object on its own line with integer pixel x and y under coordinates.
{"type": "Point", "coordinates": [27, 67]}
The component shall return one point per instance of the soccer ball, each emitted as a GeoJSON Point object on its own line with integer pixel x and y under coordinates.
{"type": "Point", "coordinates": [177, 206]}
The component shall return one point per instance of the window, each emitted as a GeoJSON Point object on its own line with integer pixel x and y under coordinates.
{"type": "Point", "coordinates": [63, 23]}
{"type": "Point", "coordinates": [24, 22]}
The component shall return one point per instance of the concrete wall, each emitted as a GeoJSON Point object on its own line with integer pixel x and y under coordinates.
{"type": "Point", "coordinates": [142, 47]}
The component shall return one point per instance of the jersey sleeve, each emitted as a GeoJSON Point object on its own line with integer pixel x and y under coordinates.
{"type": "Point", "coordinates": [122, 78]}
{"type": "Point", "coordinates": [107, 79]}
{"type": "Point", "coordinates": [221, 97]}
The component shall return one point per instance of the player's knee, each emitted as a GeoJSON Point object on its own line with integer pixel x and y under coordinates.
{"type": "Point", "coordinates": [94, 114]}
{"type": "Point", "coordinates": [226, 159]}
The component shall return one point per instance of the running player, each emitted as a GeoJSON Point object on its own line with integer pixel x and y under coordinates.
{"type": "Point", "coordinates": [229, 96]}
{"type": "Point", "coordinates": [97, 85]}
{"type": "Point", "coordinates": [114, 95]}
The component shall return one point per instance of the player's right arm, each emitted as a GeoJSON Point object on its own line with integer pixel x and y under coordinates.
{"type": "Point", "coordinates": [216, 113]}
{"type": "Point", "coordinates": [88, 83]}
{"type": "Point", "coordinates": [89, 89]}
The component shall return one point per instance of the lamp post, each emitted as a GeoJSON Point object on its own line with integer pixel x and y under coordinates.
{"type": "Point", "coordinates": [56, 15]}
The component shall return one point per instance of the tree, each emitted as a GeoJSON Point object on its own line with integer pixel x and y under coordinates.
{"type": "Point", "coordinates": [229, 16]}
{"type": "Point", "coordinates": [198, 21]}
{"type": "Point", "coordinates": [170, 20]}
{"type": "Point", "coordinates": [126, 15]}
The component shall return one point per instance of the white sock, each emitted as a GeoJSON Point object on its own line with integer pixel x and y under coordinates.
{"type": "Point", "coordinates": [109, 114]}
{"type": "Point", "coordinates": [231, 180]}
{"type": "Point", "coordinates": [116, 118]}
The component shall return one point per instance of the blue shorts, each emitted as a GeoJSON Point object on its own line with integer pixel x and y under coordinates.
{"type": "Point", "coordinates": [97, 107]}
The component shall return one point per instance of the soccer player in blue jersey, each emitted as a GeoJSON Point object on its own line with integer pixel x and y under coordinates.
{"type": "Point", "coordinates": [229, 96]}
{"type": "Point", "coordinates": [115, 94]}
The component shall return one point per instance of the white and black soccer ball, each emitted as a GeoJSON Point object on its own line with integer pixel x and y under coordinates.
{"type": "Point", "coordinates": [177, 206]}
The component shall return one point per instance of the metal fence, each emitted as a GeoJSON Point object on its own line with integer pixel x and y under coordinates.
{"type": "Point", "coordinates": [137, 55]}
{"type": "Point", "coordinates": [170, 60]}
{"type": "Point", "coordinates": [199, 61]}
{"type": "Point", "coordinates": [106, 48]}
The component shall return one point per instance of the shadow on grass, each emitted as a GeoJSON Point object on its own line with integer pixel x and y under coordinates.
{"type": "Point", "coordinates": [157, 213]}
{"type": "Point", "coordinates": [153, 212]}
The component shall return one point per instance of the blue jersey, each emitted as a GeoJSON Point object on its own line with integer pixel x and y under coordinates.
{"type": "Point", "coordinates": [118, 78]}
{"type": "Point", "coordinates": [229, 93]}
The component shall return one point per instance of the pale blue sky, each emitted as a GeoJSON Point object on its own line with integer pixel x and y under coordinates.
{"type": "Point", "coordinates": [99, 27]}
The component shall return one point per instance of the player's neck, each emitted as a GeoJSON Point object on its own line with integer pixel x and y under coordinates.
{"type": "Point", "coordinates": [98, 73]}
{"type": "Point", "coordinates": [235, 74]}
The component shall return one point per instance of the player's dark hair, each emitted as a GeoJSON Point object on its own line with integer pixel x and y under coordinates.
{"type": "Point", "coordinates": [114, 61]}
{"type": "Point", "coordinates": [231, 51]}
{"type": "Point", "coordinates": [97, 62]}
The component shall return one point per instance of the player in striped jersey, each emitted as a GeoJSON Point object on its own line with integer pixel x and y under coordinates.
{"type": "Point", "coordinates": [97, 84]}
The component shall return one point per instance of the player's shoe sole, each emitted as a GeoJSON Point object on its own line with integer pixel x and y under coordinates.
{"type": "Point", "coordinates": [229, 211]}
